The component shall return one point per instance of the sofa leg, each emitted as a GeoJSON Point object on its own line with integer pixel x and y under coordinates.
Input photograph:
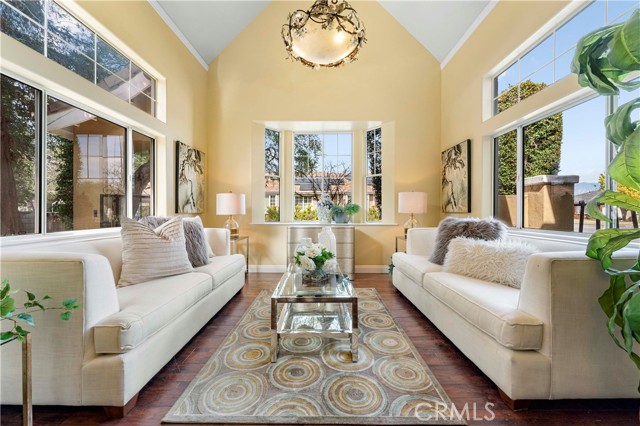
{"type": "Point", "coordinates": [120, 412]}
{"type": "Point", "coordinates": [514, 405]}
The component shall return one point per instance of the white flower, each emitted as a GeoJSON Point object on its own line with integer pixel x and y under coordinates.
{"type": "Point", "coordinates": [330, 266]}
{"type": "Point", "coordinates": [313, 251]}
{"type": "Point", "coordinates": [307, 263]}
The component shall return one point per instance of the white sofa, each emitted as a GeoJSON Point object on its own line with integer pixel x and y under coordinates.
{"type": "Point", "coordinates": [546, 340]}
{"type": "Point", "coordinates": [120, 337]}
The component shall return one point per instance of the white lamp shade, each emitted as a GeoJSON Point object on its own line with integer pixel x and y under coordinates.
{"type": "Point", "coordinates": [229, 203]}
{"type": "Point", "coordinates": [412, 202]}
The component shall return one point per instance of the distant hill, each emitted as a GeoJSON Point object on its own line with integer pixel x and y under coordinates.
{"type": "Point", "coordinates": [583, 187]}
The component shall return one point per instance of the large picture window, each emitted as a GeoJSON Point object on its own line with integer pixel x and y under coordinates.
{"type": "Point", "coordinates": [322, 163]}
{"type": "Point", "coordinates": [86, 159]}
{"type": "Point", "coordinates": [549, 60]}
{"type": "Point", "coordinates": [49, 29]}
{"type": "Point", "coordinates": [562, 161]}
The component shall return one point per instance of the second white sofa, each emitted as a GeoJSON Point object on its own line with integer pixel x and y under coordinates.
{"type": "Point", "coordinates": [546, 340]}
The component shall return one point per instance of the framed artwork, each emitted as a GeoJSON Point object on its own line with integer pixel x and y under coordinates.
{"type": "Point", "coordinates": [456, 178]}
{"type": "Point", "coordinates": [190, 175]}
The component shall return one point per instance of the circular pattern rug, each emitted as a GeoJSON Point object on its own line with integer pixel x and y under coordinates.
{"type": "Point", "coordinates": [314, 380]}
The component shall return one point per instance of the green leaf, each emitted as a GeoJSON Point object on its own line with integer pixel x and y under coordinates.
{"type": "Point", "coordinates": [593, 210]}
{"type": "Point", "coordinates": [631, 317]}
{"type": "Point", "coordinates": [619, 199]}
{"type": "Point", "coordinates": [610, 297]}
{"type": "Point", "coordinates": [65, 315]}
{"type": "Point", "coordinates": [45, 298]}
{"type": "Point", "coordinates": [5, 289]}
{"type": "Point", "coordinates": [21, 331]}
{"type": "Point", "coordinates": [625, 168]}
{"type": "Point", "coordinates": [71, 304]}
{"type": "Point", "coordinates": [7, 306]}
{"type": "Point", "coordinates": [604, 242]}
{"type": "Point", "coordinates": [619, 125]}
{"type": "Point", "coordinates": [30, 296]}
{"type": "Point", "coordinates": [6, 335]}
{"type": "Point", "coordinates": [625, 46]}
{"type": "Point", "coordinates": [26, 318]}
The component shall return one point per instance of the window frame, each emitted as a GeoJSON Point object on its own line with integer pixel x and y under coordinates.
{"type": "Point", "coordinates": [95, 35]}
{"type": "Point", "coordinates": [611, 104]}
{"type": "Point", "coordinates": [41, 153]}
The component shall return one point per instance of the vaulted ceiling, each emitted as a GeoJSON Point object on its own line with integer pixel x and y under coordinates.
{"type": "Point", "coordinates": [207, 27]}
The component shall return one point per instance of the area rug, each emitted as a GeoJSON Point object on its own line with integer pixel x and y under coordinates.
{"type": "Point", "coordinates": [314, 380]}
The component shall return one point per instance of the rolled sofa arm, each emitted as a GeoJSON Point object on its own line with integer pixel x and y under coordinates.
{"type": "Point", "coordinates": [220, 240]}
{"type": "Point", "coordinates": [421, 241]}
{"type": "Point", "coordinates": [59, 347]}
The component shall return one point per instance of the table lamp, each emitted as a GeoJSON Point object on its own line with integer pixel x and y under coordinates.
{"type": "Point", "coordinates": [229, 204]}
{"type": "Point", "coordinates": [412, 202]}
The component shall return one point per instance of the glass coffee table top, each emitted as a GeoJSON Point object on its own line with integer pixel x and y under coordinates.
{"type": "Point", "coordinates": [292, 285]}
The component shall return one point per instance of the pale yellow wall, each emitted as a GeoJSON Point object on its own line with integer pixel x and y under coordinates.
{"type": "Point", "coordinates": [504, 30]}
{"type": "Point", "coordinates": [395, 80]}
{"type": "Point", "coordinates": [142, 31]}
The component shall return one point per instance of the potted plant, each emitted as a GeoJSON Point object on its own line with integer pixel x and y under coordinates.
{"type": "Point", "coordinates": [343, 214]}
{"type": "Point", "coordinates": [608, 60]}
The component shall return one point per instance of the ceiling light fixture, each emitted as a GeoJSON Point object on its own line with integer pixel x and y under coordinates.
{"type": "Point", "coordinates": [327, 35]}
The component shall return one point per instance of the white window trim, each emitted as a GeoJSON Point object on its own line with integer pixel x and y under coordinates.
{"type": "Point", "coordinates": [366, 176]}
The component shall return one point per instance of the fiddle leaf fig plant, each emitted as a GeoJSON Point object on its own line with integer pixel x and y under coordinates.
{"type": "Point", "coordinates": [23, 315]}
{"type": "Point", "coordinates": [608, 60]}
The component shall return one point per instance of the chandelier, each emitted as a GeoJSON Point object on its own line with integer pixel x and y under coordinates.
{"type": "Point", "coordinates": [327, 35]}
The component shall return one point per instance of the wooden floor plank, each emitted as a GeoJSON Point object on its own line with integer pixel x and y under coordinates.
{"type": "Point", "coordinates": [459, 377]}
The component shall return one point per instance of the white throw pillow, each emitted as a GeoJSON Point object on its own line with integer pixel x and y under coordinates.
{"type": "Point", "coordinates": [152, 253]}
{"type": "Point", "coordinates": [498, 261]}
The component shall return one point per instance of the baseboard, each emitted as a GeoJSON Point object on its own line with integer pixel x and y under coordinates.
{"type": "Point", "coordinates": [363, 269]}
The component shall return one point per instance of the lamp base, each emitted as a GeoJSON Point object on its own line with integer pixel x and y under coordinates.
{"type": "Point", "coordinates": [233, 227]}
{"type": "Point", "coordinates": [411, 223]}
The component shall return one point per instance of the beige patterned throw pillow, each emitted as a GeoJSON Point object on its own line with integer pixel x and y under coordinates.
{"type": "Point", "coordinates": [152, 253]}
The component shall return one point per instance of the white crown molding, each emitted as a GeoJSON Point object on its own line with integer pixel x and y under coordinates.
{"type": "Point", "coordinates": [167, 20]}
{"type": "Point", "coordinates": [476, 23]}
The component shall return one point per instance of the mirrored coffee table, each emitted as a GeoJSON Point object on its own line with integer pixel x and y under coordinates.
{"type": "Point", "coordinates": [303, 309]}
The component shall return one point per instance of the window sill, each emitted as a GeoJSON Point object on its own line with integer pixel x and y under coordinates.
{"type": "Point", "coordinates": [68, 236]}
{"type": "Point", "coordinates": [321, 224]}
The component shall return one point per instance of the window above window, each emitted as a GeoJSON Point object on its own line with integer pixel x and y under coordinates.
{"type": "Point", "coordinates": [49, 29]}
{"type": "Point", "coordinates": [549, 60]}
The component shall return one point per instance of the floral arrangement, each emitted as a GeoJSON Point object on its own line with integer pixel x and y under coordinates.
{"type": "Point", "coordinates": [312, 257]}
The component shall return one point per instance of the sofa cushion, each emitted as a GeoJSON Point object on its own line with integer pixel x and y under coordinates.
{"type": "Point", "coordinates": [414, 266]}
{"type": "Point", "coordinates": [152, 253]}
{"type": "Point", "coordinates": [198, 248]}
{"type": "Point", "coordinates": [221, 268]}
{"type": "Point", "coordinates": [450, 228]}
{"type": "Point", "coordinates": [148, 307]}
{"type": "Point", "coordinates": [498, 261]}
{"type": "Point", "coordinates": [493, 308]}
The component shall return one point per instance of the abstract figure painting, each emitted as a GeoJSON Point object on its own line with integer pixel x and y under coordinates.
{"type": "Point", "coordinates": [190, 177]}
{"type": "Point", "coordinates": [456, 182]}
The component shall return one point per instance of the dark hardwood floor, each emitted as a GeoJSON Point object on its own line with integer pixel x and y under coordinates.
{"type": "Point", "coordinates": [464, 383]}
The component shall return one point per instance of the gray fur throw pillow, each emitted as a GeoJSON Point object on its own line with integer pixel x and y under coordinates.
{"type": "Point", "coordinates": [450, 228]}
{"type": "Point", "coordinates": [196, 243]}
